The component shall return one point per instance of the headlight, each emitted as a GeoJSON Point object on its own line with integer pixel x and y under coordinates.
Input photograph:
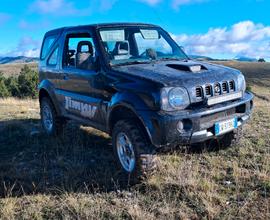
{"type": "Point", "coordinates": [174, 99]}
{"type": "Point", "coordinates": [241, 83]}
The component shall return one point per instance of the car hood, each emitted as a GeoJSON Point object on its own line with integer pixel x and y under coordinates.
{"type": "Point", "coordinates": [178, 74]}
{"type": "Point", "coordinates": [163, 73]}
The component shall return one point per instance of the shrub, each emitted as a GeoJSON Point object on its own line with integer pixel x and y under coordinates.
{"type": "Point", "coordinates": [3, 89]}
{"type": "Point", "coordinates": [27, 82]}
{"type": "Point", "coordinates": [261, 60]}
{"type": "Point", "coordinates": [249, 88]}
{"type": "Point", "coordinates": [25, 85]}
{"type": "Point", "coordinates": [13, 86]}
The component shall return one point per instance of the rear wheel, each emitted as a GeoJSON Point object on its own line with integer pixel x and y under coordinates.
{"type": "Point", "coordinates": [52, 124]}
{"type": "Point", "coordinates": [134, 153]}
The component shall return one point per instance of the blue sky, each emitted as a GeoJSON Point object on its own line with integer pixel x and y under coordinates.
{"type": "Point", "coordinates": [217, 28]}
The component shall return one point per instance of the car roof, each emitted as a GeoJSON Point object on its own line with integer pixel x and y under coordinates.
{"type": "Point", "coordinates": [100, 25]}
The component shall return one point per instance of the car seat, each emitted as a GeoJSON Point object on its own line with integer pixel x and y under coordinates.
{"type": "Point", "coordinates": [84, 59]}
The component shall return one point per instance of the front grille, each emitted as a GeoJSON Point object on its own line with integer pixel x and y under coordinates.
{"type": "Point", "coordinates": [208, 90]}
{"type": "Point", "coordinates": [199, 92]}
{"type": "Point", "coordinates": [231, 85]}
{"type": "Point", "coordinates": [224, 87]}
{"type": "Point", "coordinates": [215, 89]}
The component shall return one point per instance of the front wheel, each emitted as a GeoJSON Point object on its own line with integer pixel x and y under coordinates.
{"type": "Point", "coordinates": [49, 120]}
{"type": "Point", "coordinates": [134, 153]}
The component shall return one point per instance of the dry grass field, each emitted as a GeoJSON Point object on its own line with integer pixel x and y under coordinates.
{"type": "Point", "coordinates": [74, 177]}
{"type": "Point", "coordinates": [15, 68]}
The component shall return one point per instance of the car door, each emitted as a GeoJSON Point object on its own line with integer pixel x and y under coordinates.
{"type": "Point", "coordinates": [49, 60]}
{"type": "Point", "coordinates": [76, 81]}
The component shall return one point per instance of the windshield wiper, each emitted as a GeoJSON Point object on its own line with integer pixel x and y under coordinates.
{"type": "Point", "coordinates": [131, 63]}
{"type": "Point", "coordinates": [174, 58]}
{"type": "Point", "coordinates": [149, 61]}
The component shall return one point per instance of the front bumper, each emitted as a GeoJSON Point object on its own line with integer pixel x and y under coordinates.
{"type": "Point", "coordinates": [198, 123]}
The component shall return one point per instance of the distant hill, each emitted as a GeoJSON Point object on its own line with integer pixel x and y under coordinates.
{"type": "Point", "coordinates": [238, 58]}
{"type": "Point", "coordinates": [23, 59]}
{"type": "Point", "coordinates": [198, 57]}
{"type": "Point", "coordinates": [245, 59]}
{"type": "Point", "coordinates": [19, 59]}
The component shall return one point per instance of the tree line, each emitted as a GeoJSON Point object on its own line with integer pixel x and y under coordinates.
{"type": "Point", "coordinates": [22, 86]}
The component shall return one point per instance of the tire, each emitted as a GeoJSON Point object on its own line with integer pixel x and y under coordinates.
{"type": "Point", "coordinates": [138, 150]}
{"type": "Point", "coordinates": [231, 139]}
{"type": "Point", "coordinates": [51, 123]}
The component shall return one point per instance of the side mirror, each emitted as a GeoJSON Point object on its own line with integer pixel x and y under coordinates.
{"type": "Point", "coordinates": [122, 52]}
{"type": "Point", "coordinates": [123, 48]}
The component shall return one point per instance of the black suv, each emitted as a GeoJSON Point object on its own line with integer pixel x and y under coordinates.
{"type": "Point", "coordinates": [135, 83]}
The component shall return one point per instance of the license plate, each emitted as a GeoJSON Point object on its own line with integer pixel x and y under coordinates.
{"type": "Point", "coordinates": [225, 126]}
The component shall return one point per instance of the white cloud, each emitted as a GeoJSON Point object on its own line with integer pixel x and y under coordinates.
{"type": "Point", "coordinates": [244, 38]}
{"type": "Point", "coordinates": [174, 3]}
{"type": "Point", "coordinates": [27, 46]}
{"type": "Point", "coordinates": [150, 2]}
{"type": "Point", "coordinates": [4, 18]}
{"type": "Point", "coordinates": [68, 7]}
{"type": "Point", "coordinates": [106, 5]}
{"type": "Point", "coordinates": [33, 26]}
{"type": "Point", "coordinates": [58, 7]}
{"type": "Point", "coordinates": [177, 3]}
{"type": "Point", "coordinates": [31, 53]}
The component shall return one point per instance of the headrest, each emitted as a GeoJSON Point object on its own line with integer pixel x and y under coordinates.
{"type": "Point", "coordinates": [85, 43]}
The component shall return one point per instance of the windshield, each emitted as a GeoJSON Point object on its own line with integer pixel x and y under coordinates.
{"type": "Point", "coordinates": [137, 45]}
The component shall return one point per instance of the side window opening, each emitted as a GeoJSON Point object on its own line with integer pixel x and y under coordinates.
{"type": "Point", "coordinates": [48, 42]}
{"type": "Point", "coordinates": [79, 52]}
{"type": "Point", "coordinates": [54, 57]}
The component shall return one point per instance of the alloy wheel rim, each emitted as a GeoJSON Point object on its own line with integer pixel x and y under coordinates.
{"type": "Point", "coordinates": [125, 152]}
{"type": "Point", "coordinates": [47, 118]}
